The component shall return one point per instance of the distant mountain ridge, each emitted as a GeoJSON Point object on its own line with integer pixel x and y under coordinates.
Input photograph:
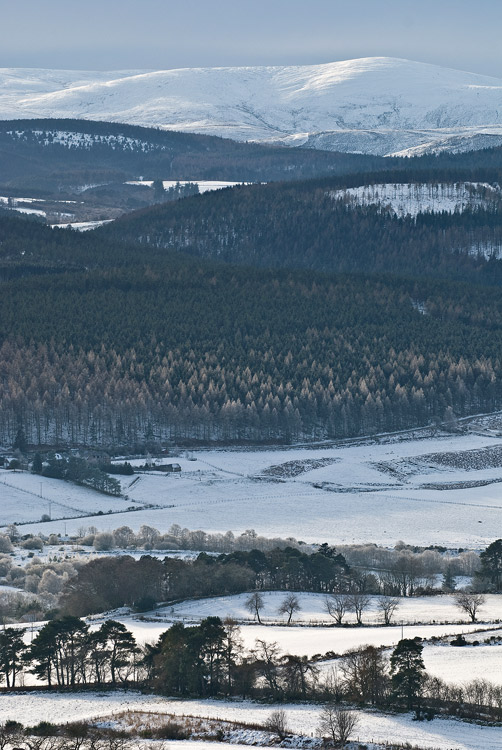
{"type": "Point", "coordinates": [375, 105]}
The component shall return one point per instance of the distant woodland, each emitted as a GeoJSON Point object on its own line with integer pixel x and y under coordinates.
{"type": "Point", "coordinates": [264, 313]}
{"type": "Point", "coordinates": [114, 344]}
{"type": "Point", "coordinates": [300, 225]}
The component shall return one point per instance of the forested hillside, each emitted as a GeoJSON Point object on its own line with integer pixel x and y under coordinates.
{"type": "Point", "coordinates": [55, 154]}
{"type": "Point", "coordinates": [122, 344]}
{"type": "Point", "coordinates": [307, 225]}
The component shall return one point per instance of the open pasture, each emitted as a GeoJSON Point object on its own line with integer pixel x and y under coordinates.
{"type": "Point", "coordinates": [372, 491]}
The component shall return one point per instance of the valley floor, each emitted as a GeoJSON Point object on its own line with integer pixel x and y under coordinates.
{"type": "Point", "coordinates": [444, 490]}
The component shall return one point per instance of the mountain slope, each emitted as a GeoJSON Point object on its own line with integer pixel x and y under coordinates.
{"type": "Point", "coordinates": [375, 105]}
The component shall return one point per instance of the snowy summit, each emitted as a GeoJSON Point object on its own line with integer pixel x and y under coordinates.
{"type": "Point", "coordinates": [376, 105]}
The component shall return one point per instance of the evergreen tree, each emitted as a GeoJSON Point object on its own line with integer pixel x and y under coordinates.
{"type": "Point", "coordinates": [491, 565]}
{"type": "Point", "coordinates": [20, 442]}
{"type": "Point", "coordinates": [408, 672]}
{"type": "Point", "coordinates": [36, 466]}
{"type": "Point", "coordinates": [12, 648]}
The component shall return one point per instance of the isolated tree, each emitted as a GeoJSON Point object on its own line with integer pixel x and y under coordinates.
{"type": "Point", "coordinates": [337, 723]}
{"type": "Point", "coordinates": [408, 671]}
{"type": "Point", "coordinates": [448, 583]}
{"type": "Point", "coordinates": [254, 604]}
{"type": "Point", "coordinates": [36, 466]}
{"type": "Point", "coordinates": [289, 606]}
{"type": "Point", "coordinates": [20, 442]}
{"type": "Point", "coordinates": [469, 602]}
{"type": "Point", "coordinates": [491, 565]}
{"type": "Point", "coordinates": [357, 603]}
{"type": "Point", "coordinates": [387, 606]}
{"type": "Point", "coordinates": [5, 544]}
{"type": "Point", "coordinates": [123, 537]}
{"type": "Point", "coordinates": [277, 723]}
{"type": "Point", "coordinates": [103, 541]}
{"type": "Point", "coordinates": [336, 605]}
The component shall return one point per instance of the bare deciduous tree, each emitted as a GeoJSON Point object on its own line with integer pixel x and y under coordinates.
{"type": "Point", "coordinates": [387, 606]}
{"type": "Point", "coordinates": [278, 724]}
{"type": "Point", "coordinates": [289, 606]}
{"type": "Point", "coordinates": [336, 606]}
{"type": "Point", "coordinates": [254, 604]}
{"type": "Point", "coordinates": [357, 603]}
{"type": "Point", "coordinates": [337, 723]}
{"type": "Point", "coordinates": [469, 602]}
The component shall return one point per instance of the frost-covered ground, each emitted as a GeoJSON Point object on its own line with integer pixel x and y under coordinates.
{"type": "Point", "coordinates": [309, 641]}
{"type": "Point", "coordinates": [372, 491]}
{"type": "Point", "coordinates": [25, 496]}
{"type": "Point", "coordinates": [460, 665]}
{"type": "Point", "coordinates": [422, 609]}
{"type": "Point", "coordinates": [440, 734]}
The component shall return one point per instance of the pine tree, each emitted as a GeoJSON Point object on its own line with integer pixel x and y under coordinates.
{"type": "Point", "coordinates": [408, 672]}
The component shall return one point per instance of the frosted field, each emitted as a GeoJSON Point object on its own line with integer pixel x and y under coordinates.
{"type": "Point", "coordinates": [26, 496]}
{"type": "Point", "coordinates": [374, 491]}
{"type": "Point", "coordinates": [440, 734]}
{"type": "Point", "coordinates": [425, 609]}
{"type": "Point", "coordinates": [307, 641]}
{"type": "Point", "coordinates": [460, 665]}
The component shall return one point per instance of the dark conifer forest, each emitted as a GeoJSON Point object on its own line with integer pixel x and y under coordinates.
{"type": "Point", "coordinates": [263, 313]}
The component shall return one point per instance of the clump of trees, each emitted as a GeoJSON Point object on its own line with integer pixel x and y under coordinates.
{"type": "Point", "coordinates": [109, 582]}
{"type": "Point", "coordinates": [81, 472]}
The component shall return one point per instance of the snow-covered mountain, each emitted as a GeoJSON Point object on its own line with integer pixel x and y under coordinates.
{"type": "Point", "coordinates": [373, 105]}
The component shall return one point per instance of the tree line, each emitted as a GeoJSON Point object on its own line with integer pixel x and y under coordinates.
{"type": "Point", "coordinates": [208, 660]}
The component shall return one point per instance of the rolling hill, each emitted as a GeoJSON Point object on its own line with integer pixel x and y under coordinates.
{"type": "Point", "coordinates": [376, 105]}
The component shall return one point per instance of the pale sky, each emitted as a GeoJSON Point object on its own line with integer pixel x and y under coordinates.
{"type": "Point", "coordinates": [160, 34]}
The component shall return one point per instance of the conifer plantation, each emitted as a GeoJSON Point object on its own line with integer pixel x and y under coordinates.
{"type": "Point", "coordinates": [106, 341]}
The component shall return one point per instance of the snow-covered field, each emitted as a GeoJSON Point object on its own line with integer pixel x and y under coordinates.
{"type": "Point", "coordinates": [375, 105]}
{"type": "Point", "coordinates": [440, 734]}
{"type": "Point", "coordinates": [422, 609]}
{"type": "Point", "coordinates": [82, 226]}
{"type": "Point", "coordinates": [464, 664]}
{"type": "Point", "coordinates": [418, 490]}
{"type": "Point", "coordinates": [309, 641]}
{"type": "Point", "coordinates": [25, 496]}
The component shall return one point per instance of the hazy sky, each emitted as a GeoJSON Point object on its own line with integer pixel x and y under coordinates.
{"type": "Point", "coordinates": [125, 34]}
